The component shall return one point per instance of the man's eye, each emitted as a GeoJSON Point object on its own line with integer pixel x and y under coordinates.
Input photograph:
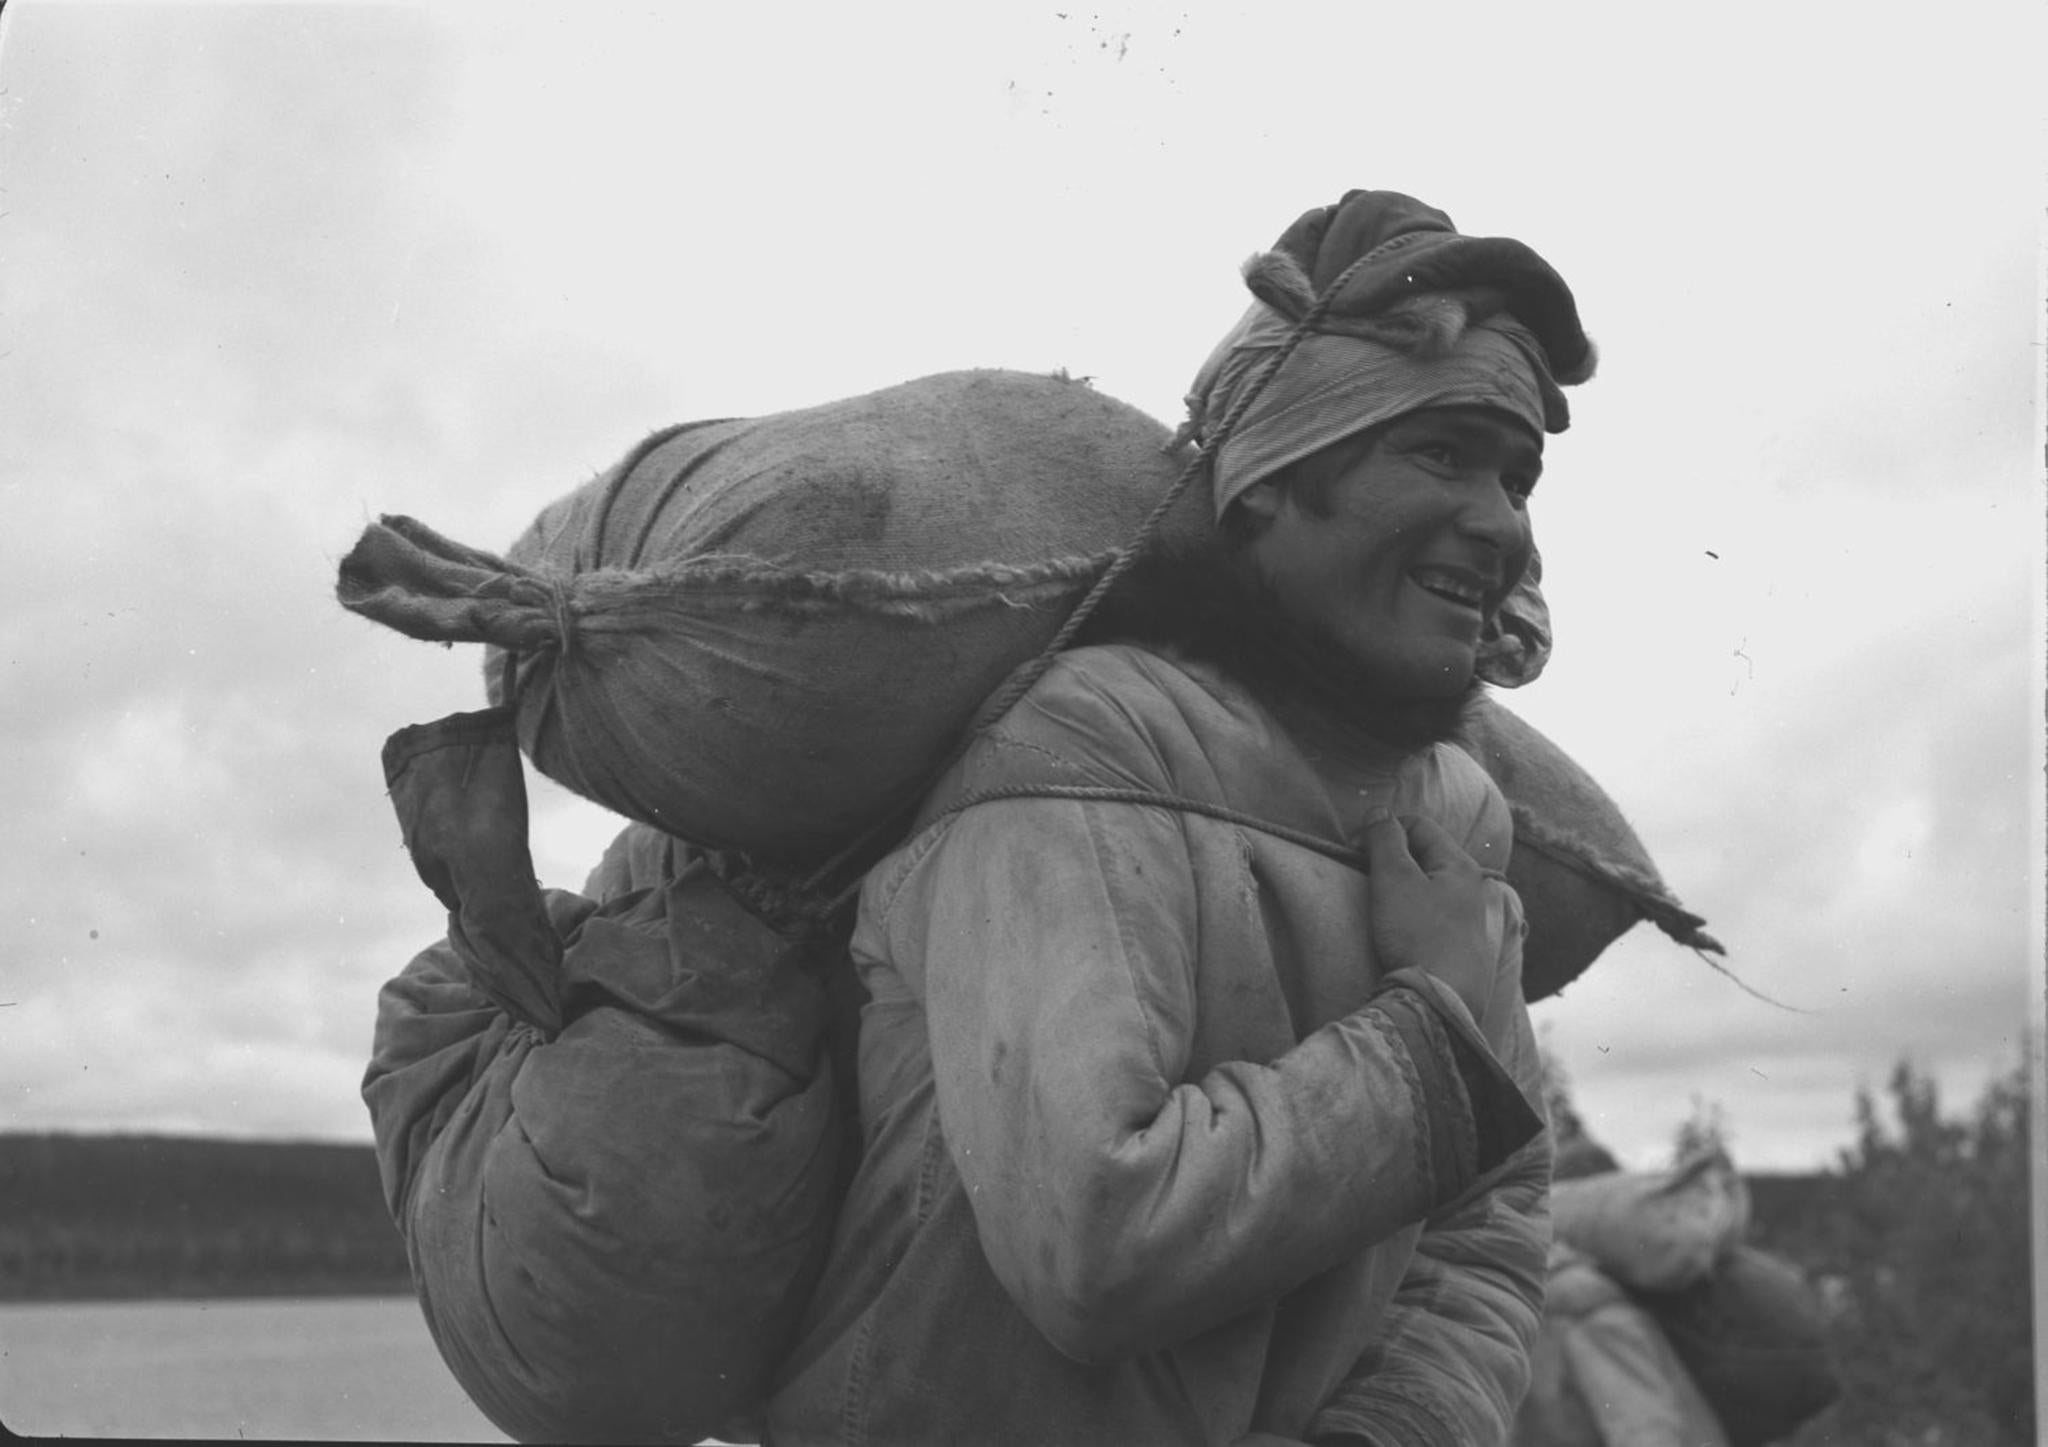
{"type": "Point", "coordinates": [1441, 452]}
{"type": "Point", "coordinates": [1519, 484]}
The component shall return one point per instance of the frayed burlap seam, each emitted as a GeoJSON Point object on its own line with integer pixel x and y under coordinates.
{"type": "Point", "coordinates": [1657, 903]}
{"type": "Point", "coordinates": [750, 585]}
{"type": "Point", "coordinates": [1649, 895]}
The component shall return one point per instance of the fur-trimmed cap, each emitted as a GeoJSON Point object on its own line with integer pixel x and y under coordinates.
{"type": "Point", "coordinates": [1403, 248]}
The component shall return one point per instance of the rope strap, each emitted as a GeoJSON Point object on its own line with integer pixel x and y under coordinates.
{"type": "Point", "coordinates": [1101, 794]}
{"type": "Point", "coordinates": [1675, 922]}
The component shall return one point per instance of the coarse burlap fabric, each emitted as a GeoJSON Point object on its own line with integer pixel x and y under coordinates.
{"type": "Point", "coordinates": [762, 635]}
{"type": "Point", "coordinates": [1584, 876]}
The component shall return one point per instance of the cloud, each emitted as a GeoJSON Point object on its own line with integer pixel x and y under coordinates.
{"type": "Point", "coordinates": [1866, 859]}
{"type": "Point", "coordinates": [273, 271]}
{"type": "Point", "coordinates": [196, 858]}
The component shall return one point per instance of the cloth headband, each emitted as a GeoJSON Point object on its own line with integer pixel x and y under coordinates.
{"type": "Point", "coordinates": [1333, 386]}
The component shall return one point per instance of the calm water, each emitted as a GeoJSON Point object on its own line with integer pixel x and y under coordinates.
{"type": "Point", "coordinates": [349, 1368]}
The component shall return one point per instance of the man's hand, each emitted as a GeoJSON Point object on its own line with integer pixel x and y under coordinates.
{"type": "Point", "coordinates": [1429, 908]}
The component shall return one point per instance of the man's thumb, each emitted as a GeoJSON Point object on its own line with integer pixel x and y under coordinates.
{"type": "Point", "coordinates": [1385, 843]}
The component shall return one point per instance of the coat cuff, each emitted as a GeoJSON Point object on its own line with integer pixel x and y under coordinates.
{"type": "Point", "coordinates": [1477, 1115]}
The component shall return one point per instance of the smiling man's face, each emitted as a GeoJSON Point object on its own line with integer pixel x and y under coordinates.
{"type": "Point", "coordinates": [1399, 558]}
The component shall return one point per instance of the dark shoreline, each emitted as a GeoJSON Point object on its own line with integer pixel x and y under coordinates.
{"type": "Point", "coordinates": [140, 1218]}
{"type": "Point", "coordinates": [135, 1217]}
{"type": "Point", "coordinates": [112, 1291]}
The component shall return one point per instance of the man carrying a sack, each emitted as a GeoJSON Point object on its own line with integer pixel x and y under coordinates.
{"type": "Point", "coordinates": [1196, 1082]}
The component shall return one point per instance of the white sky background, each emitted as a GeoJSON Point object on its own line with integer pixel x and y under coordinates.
{"type": "Point", "coordinates": [267, 272]}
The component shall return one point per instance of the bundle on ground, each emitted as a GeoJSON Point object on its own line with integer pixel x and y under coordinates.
{"type": "Point", "coordinates": [1754, 1336]}
{"type": "Point", "coordinates": [1656, 1230]}
{"type": "Point", "coordinates": [1662, 1323]}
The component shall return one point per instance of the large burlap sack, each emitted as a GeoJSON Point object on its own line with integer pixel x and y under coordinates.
{"type": "Point", "coordinates": [763, 634]}
{"type": "Point", "coordinates": [1582, 873]}
{"type": "Point", "coordinates": [1654, 1230]}
{"type": "Point", "coordinates": [609, 1132]}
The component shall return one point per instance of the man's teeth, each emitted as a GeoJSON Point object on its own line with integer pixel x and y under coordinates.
{"type": "Point", "coordinates": [1449, 585]}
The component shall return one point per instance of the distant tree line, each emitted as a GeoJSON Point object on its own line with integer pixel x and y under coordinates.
{"type": "Point", "coordinates": [139, 1216]}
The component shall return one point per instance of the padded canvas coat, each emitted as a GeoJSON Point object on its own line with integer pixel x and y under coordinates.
{"type": "Point", "coordinates": [1155, 1150]}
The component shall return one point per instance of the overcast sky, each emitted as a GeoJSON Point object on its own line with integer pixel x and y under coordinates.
{"type": "Point", "coordinates": [267, 272]}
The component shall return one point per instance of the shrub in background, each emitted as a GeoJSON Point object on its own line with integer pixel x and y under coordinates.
{"type": "Point", "coordinates": [1920, 1239]}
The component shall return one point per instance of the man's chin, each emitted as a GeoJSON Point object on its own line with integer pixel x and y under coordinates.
{"type": "Point", "coordinates": [1406, 701]}
{"type": "Point", "coordinates": [1420, 686]}
{"type": "Point", "coordinates": [1414, 670]}
{"type": "Point", "coordinates": [1409, 720]}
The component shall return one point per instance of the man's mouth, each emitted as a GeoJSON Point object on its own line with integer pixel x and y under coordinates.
{"type": "Point", "coordinates": [1466, 587]}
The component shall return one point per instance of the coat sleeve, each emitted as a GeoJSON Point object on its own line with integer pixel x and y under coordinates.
{"type": "Point", "coordinates": [1123, 1206]}
{"type": "Point", "coordinates": [1452, 1365]}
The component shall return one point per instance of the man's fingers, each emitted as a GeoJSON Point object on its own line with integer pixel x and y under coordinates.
{"type": "Point", "coordinates": [1413, 846]}
{"type": "Point", "coordinates": [1433, 847]}
{"type": "Point", "coordinates": [1386, 846]}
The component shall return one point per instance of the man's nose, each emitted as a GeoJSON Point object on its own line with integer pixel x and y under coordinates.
{"type": "Point", "coordinates": [1495, 516]}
